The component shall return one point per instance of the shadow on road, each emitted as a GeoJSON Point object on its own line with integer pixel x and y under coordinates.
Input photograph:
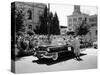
{"type": "Point", "coordinates": [62, 57]}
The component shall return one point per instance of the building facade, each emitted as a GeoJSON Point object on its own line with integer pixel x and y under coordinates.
{"type": "Point", "coordinates": [93, 31]}
{"type": "Point", "coordinates": [31, 12]}
{"type": "Point", "coordinates": [76, 19]}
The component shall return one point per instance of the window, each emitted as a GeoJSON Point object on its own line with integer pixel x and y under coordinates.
{"type": "Point", "coordinates": [92, 19]}
{"type": "Point", "coordinates": [70, 25]}
{"type": "Point", "coordinates": [30, 27]}
{"type": "Point", "coordinates": [70, 20]}
{"type": "Point", "coordinates": [70, 29]}
{"type": "Point", "coordinates": [80, 18]}
{"type": "Point", "coordinates": [74, 19]}
{"type": "Point", "coordinates": [96, 32]}
{"type": "Point", "coordinates": [92, 24]}
{"type": "Point", "coordinates": [29, 12]}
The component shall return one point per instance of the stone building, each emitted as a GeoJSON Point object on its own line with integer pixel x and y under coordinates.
{"type": "Point", "coordinates": [92, 21]}
{"type": "Point", "coordinates": [76, 19]}
{"type": "Point", "coordinates": [31, 12]}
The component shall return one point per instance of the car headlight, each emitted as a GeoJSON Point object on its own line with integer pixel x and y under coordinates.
{"type": "Point", "coordinates": [69, 48]}
{"type": "Point", "coordinates": [48, 49]}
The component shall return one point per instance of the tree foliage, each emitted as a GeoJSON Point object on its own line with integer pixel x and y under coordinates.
{"type": "Point", "coordinates": [49, 23]}
{"type": "Point", "coordinates": [43, 22]}
{"type": "Point", "coordinates": [83, 29]}
{"type": "Point", "coordinates": [19, 22]}
{"type": "Point", "coordinates": [56, 24]}
{"type": "Point", "coordinates": [17, 18]}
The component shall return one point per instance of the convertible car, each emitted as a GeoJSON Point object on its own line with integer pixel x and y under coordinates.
{"type": "Point", "coordinates": [51, 51]}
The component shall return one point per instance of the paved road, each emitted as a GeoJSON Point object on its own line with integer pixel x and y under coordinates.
{"type": "Point", "coordinates": [32, 64]}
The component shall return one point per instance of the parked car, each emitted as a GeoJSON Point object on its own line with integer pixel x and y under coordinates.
{"type": "Point", "coordinates": [50, 51]}
{"type": "Point", "coordinates": [95, 45]}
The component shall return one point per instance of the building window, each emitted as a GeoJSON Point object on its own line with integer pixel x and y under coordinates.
{"type": "Point", "coordinates": [80, 18]}
{"type": "Point", "coordinates": [70, 29]}
{"type": "Point", "coordinates": [70, 25]}
{"type": "Point", "coordinates": [70, 20]}
{"type": "Point", "coordinates": [92, 24]}
{"type": "Point", "coordinates": [29, 12]}
{"type": "Point", "coordinates": [30, 27]}
{"type": "Point", "coordinates": [74, 19]}
{"type": "Point", "coordinates": [92, 19]}
{"type": "Point", "coordinates": [96, 32]}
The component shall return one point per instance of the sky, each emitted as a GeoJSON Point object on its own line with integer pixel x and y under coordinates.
{"type": "Point", "coordinates": [65, 10]}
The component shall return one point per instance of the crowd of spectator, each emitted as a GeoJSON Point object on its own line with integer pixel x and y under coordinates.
{"type": "Point", "coordinates": [27, 43]}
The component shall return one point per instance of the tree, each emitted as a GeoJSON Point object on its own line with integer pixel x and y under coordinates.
{"type": "Point", "coordinates": [17, 18]}
{"type": "Point", "coordinates": [56, 25]}
{"type": "Point", "coordinates": [83, 29]}
{"type": "Point", "coordinates": [49, 23]}
{"type": "Point", "coordinates": [50, 27]}
{"type": "Point", "coordinates": [37, 30]}
{"type": "Point", "coordinates": [43, 22]}
{"type": "Point", "coordinates": [19, 22]}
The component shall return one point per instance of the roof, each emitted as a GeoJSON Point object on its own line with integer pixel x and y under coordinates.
{"type": "Point", "coordinates": [78, 15]}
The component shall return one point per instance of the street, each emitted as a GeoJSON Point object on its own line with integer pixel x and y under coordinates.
{"type": "Point", "coordinates": [31, 64]}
